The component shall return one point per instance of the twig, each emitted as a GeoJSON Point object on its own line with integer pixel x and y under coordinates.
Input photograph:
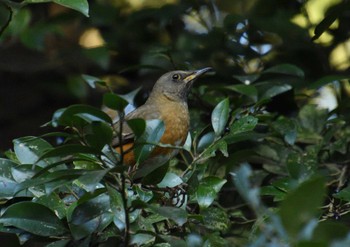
{"type": "Point", "coordinates": [7, 23]}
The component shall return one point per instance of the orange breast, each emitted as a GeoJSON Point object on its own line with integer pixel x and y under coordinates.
{"type": "Point", "coordinates": [176, 121]}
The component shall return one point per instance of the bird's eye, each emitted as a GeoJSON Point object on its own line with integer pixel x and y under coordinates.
{"type": "Point", "coordinates": [176, 77]}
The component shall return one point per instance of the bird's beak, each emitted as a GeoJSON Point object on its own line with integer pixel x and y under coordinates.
{"type": "Point", "coordinates": [195, 74]}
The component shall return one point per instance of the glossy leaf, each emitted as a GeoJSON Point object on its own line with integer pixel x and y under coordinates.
{"type": "Point", "coordinates": [178, 215]}
{"type": "Point", "coordinates": [67, 116]}
{"type": "Point", "coordinates": [205, 196]}
{"type": "Point", "coordinates": [29, 149]}
{"type": "Point", "coordinates": [205, 141]}
{"type": "Point", "coordinates": [220, 116]}
{"type": "Point", "coordinates": [90, 209]}
{"type": "Point", "coordinates": [117, 207]}
{"type": "Point", "coordinates": [170, 180]}
{"type": "Point", "coordinates": [145, 143]}
{"type": "Point", "coordinates": [275, 90]}
{"type": "Point", "coordinates": [69, 149]}
{"type": "Point", "coordinates": [34, 218]}
{"type": "Point", "coordinates": [286, 69]}
{"type": "Point", "coordinates": [80, 5]}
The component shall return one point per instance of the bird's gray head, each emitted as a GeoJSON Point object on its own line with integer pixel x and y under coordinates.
{"type": "Point", "coordinates": [176, 85]}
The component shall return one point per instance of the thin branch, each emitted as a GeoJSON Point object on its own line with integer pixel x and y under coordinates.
{"type": "Point", "coordinates": [7, 23]}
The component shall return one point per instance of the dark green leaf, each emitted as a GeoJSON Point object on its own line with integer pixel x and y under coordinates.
{"type": "Point", "coordinates": [69, 149]}
{"type": "Point", "coordinates": [178, 215]}
{"type": "Point", "coordinates": [34, 218]}
{"type": "Point", "coordinates": [327, 79]}
{"type": "Point", "coordinates": [137, 125]}
{"type": "Point", "coordinates": [344, 194]}
{"type": "Point", "coordinates": [215, 219]}
{"type": "Point", "coordinates": [302, 205]}
{"type": "Point", "coordinates": [53, 202]}
{"type": "Point", "coordinates": [220, 116]}
{"type": "Point", "coordinates": [60, 243]}
{"type": "Point", "coordinates": [276, 90]}
{"type": "Point", "coordinates": [80, 5]}
{"type": "Point", "coordinates": [90, 209]}
{"type": "Point", "coordinates": [247, 90]}
{"type": "Point", "coordinates": [243, 124]}
{"type": "Point", "coordinates": [114, 101]}
{"type": "Point", "coordinates": [68, 116]}
{"type": "Point", "coordinates": [286, 69]}
{"type": "Point", "coordinates": [98, 134]}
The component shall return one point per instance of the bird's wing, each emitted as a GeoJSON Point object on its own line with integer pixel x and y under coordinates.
{"type": "Point", "coordinates": [145, 112]}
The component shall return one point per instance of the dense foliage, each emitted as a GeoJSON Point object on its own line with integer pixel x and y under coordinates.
{"type": "Point", "coordinates": [265, 163]}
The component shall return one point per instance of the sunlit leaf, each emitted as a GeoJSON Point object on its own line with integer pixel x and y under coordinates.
{"type": "Point", "coordinates": [220, 116]}
{"type": "Point", "coordinates": [153, 132]}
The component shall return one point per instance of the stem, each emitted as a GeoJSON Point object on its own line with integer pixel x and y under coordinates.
{"type": "Point", "coordinates": [123, 187]}
{"type": "Point", "coordinates": [7, 23]}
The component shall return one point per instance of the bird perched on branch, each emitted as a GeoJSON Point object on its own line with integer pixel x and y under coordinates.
{"type": "Point", "coordinates": [168, 103]}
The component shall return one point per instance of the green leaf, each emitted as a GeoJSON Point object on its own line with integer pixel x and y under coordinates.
{"type": "Point", "coordinates": [54, 203]}
{"type": "Point", "coordinates": [220, 116]}
{"type": "Point", "coordinates": [153, 132]}
{"type": "Point", "coordinates": [98, 134]}
{"type": "Point", "coordinates": [117, 207]}
{"type": "Point", "coordinates": [312, 119]}
{"type": "Point", "coordinates": [287, 128]}
{"type": "Point", "coordinates": [34, 218]}
{"type": "Point", "coordinates": [68, 116]}
{"type": "Point", "coordinates": [243, 124]}
{"type": "Point", "coordinates": [29, 150]}
{"type": "Point", "coordinates": [80, 5]}
{"type": "Point", "coordinates": [7, 182]}
{"type": "Point", "coordinates": [178, 215]}
{"type": "Point", "coordinates": [114, 101]}
{"type": "Point", "coordinates": [302, 205]}
{"type": "Point", "coordinates": [170, 180]}
{"type": "Point", "coordinates": [329, 232]}
{"type": "Point", "coordinates": [60, 177]}
{"type": "Point", "coordinates": [247, 90]}
{"type": "Point", "coordinates": [285, 69]}
{"type": "Point", "coordinates": [215, 219]}
{"type": "Point", "coordinates": [205, 196]}
{"type": "Point", "coordinates": [91, 179]}
{"type": "Point", "coordinates": [59, 243]}
{"type": "Point", "coordinates": [205, 141]}
{"type": "Point", "coordinates": [90, 209]}
{"type": "Point", "coordinates": [275, 90]}
{"type": "Point", "coordinates": [213, 182]}
{"type": "Point", "coordinates": [137, 125]}
{"type": "Point", "coordinates": [344, 194]}
{"type": "Point", "coordinates": [69, 149]}
{"type": "Point", "coordinates": [93, 81]}
{"type": "Point", "coordinates": [326, 80]}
